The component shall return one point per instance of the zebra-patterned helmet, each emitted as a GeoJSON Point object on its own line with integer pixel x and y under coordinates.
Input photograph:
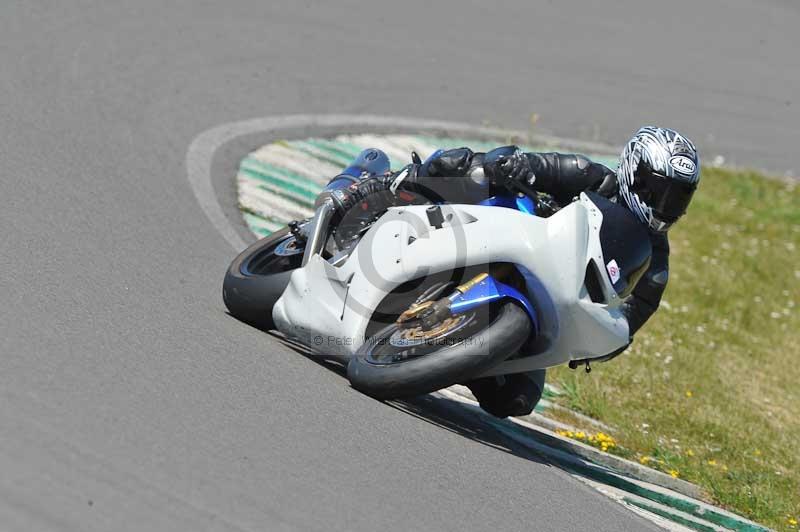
{"type": "Point", "coordinates": [658, 172]}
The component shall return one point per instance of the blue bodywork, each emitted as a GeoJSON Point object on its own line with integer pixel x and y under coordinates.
{"type": "Point", "coordinates": [520, 203]}
{"type": "Point", "coordinates": [490, 290]}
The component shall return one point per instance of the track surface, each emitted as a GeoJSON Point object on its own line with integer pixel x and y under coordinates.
{"type": "Point", "coordinates": [131, 401]}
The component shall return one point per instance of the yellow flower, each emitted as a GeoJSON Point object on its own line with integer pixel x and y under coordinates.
{"type": "Point", "coordinates": [757, 452]}
{"type": "Point", "coordinates": [712, 462]}
{"type": "Point", "coordinates": [724, 468]}
{"type": "Point", "coordinates": [644, 460]}
{"type": "Point", "coordinates": [689, 452]}
{"type": "Point", "coordinates": [689, 393]}
{"type": "Point", "coordinates": [673, 473]}
{"type": "Point", "coordinates": [580, 435]}
{"type": "Point", "coordinates": [792, 521]}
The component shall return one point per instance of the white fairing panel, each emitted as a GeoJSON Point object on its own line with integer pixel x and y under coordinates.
{"type": "Point", "coordinates": [329, 307]}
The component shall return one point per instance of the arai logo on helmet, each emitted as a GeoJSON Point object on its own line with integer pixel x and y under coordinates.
{"type": "Point", "coordinates": [682, 164]}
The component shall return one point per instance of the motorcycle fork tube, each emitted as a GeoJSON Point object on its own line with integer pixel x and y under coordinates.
{"type": "Point", "coordinates": [319, 232]}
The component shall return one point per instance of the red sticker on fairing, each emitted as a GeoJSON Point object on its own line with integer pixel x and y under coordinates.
{"type": "Point", "coordinates": [613, 271]}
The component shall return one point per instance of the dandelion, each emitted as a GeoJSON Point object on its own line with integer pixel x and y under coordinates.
{"type": "Point", "coordinates": [689, 393]}
{"type": "Point", "coordinates": [757, 452]}
{"type": "Point", "coordinates": [725, 468]}
{"type": "Point", "coordinates": [712, 462]}
{"type": "Point", "coordinates": [673, 473]}
{"type": "Point", "coordinates": [792, 521]}
{"type": "Point", "coordinates": [644, 460]}
{"type": "Point", "coordinates": [689, 452]}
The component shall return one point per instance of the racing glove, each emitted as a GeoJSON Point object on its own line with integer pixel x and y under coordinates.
{"type": "Point", "coordinates": [344, 199]}
{"type": "Point", "coordinates": [376, 193]}
{"type": "Point", "coordinates": [451, 163]}
{"type": "Point", "coordinates": [507, 165]}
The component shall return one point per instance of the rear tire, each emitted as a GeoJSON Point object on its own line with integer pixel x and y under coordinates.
{"type": "Point", "coordinates": [257, 277]}
{"type": "Point", "coordinates": [384, 368]}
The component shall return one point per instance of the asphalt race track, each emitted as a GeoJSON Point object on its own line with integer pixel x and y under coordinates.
{"type": "Point", "coordinates": [130, 400]}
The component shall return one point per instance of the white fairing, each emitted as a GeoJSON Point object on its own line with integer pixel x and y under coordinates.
{"type": "Point", "coordinates": [328, 307]}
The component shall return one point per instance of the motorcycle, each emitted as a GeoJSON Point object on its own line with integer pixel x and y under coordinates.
{"type": "Point", "coordinates": [418, 297]}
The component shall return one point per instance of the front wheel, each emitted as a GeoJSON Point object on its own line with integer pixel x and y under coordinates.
{"type": "Point", "coordinates": [402, 362]}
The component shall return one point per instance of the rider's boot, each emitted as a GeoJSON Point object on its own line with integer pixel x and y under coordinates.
{"type": "Point", "coordinates": [509, 395]}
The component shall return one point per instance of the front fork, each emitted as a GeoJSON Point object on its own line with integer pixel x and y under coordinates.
{"type": "Point", "coordinates": [480, 290]}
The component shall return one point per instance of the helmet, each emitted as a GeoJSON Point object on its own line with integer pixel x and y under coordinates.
{"type": "Point", "coordinates": [658, 172]}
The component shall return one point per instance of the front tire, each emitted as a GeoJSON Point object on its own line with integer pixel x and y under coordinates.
{"type": "Point", "coordinates": [257, 277]}
{"type": "Point", "coordinates": [387, 368]}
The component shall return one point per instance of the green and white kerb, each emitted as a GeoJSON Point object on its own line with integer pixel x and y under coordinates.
{"type": "Point", "coordinates": [279, 182]}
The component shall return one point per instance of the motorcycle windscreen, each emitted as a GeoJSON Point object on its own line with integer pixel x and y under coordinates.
{"type": "Point", "coordinates": [626, 245]}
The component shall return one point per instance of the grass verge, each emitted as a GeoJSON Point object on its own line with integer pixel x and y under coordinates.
{"type": "Point", "coordinates": [710, 389]}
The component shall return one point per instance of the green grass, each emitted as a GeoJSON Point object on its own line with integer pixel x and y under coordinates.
{"type": "Point", "coordinates": [711, 386]}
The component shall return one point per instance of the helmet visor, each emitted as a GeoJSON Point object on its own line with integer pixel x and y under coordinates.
{"type": "Point", "coordinates": [667, 197]}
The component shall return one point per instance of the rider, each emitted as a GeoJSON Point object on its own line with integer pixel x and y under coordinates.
{"type": "Point", "coordinates": [657, 174]}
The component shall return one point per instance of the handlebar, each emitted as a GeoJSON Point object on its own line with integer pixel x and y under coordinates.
{"type": "Point", "coordinates": [525, 189]}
